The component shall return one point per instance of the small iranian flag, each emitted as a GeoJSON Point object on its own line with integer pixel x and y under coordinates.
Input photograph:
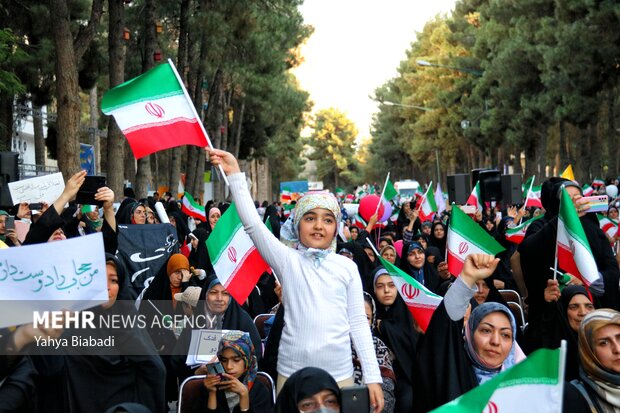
{"type": "Point", "coordinates": [288, 208]}
{"type": "Point", "coordinates": [286, 195]}
{"type": "Point", "coordinates": [587, 190]}
{"type": "Point", "coordinates": [154, 112]}
{"type": "Point", "coordinates": [467, 237]}
{"type": "Point", "coordinates": [475, 199]}
{"type": "Point", "coordinates": [235, 259]}
{"type": "Point", "coordinates": [532, 197]}
{"type": "Point", "coordinates": [389, 192]}
{"type": "Point", "coordinates": [193, 208]}
{"type": "Point", "coordinates": [598, 182]}
{"type": "Point", "coordinates": [340, 193]}
{"type": "Point", "coordinates": [517, 234]}
{"type": "Point", "coordinates": [420, 301]}
{"type": "Point", "coordinates": [428, 206]}
{"type": "Point", "coordinates": [359, 222]}
{"type": "Point", "coordinates": [440, 201]}
{"type": "Point", "coordinates": [534, 385]}
{"type": "Point", "coordinates": [573, 250]}
{"type": "Point", "coordinates": [608, 225]}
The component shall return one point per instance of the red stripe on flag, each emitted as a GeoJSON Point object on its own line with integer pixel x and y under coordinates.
{"type": "Point", "coordinates": [191, 213]}
{"type": "Point", "coordinates": [567, 263]}
{"type": "Point", "coordinates": [146, 141]}
{"type": "Point", "coordinates": [246, 275]}
{"type": "Point", "coordinates": [422, 315]}
{"type": "Point", "coordinates": [516, 238]}
{"type": "Point", "coordinates": [455, 265]}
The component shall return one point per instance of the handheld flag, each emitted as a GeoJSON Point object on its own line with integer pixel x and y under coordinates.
{"type": "Point", "coordinates": [475, 199]}
{"type": "Point", "coordinates": [440, 201]}
{"type": "Point", "coordinates": [235, 259]}
{"type": "Point", "coordinates": [573, 253]}
{"type": "Point", "coordinates": [535, 385]}
{"type": "Point", "coordinates": [587, 190]}
{"type": "Point", "coordinates": [192, 208]}
{"type": "Point", "coordinates": [428, 206]}
{"type": "Point", "coordinates": [532, 198]}
{"type": "Point", "coordinates": [608, 225]}
{"type": "Point", "coordinates": [154, 112]}
{"type": "Point", "coordinates": [467, 237]}
{"type": "Point", "coordinates": [598, 182]}
{"type": "Point", "coordinates": [517, 234]}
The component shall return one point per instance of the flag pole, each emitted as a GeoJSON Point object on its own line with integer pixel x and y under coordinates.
{"type": "Point", "coordinates": [191, 105]}
{"type": "Point", "coordinates": [555, 264]}
{"type": "Point", "coordinates": [527, 196]}
{"type": "Point", "coordinates": [425, 195]}
{"type": "Point", "coordinates": [387, 178]}
{"type": "Point", "coordinates": [372, 246]}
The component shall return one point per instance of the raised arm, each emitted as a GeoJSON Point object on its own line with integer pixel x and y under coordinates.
{"type": "Point", "coordinates": [269, 247]}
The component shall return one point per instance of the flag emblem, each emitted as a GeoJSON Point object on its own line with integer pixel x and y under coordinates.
{"type": "Point", "coordinates": [410, 291]}
{"type": "Point", "coordinates": [491, 408]}
{"type": "Point", "coordinates": [155, 110]}
{"type": "Point", "coordinates": [463, 247]}
{"type": "Point", "coordinates": [232, 254]}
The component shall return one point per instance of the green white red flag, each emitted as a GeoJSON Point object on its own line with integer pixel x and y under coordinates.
{"type": "Point", "coordinates": [192, 208]}
{"type": "Point", "coordinates": [235, 259]}
{"type": "Point", "coordinates": [572, 248]}
{"type": "Point", "coordinates": [286, 195]}
{"type": "Point", "coordinates": [517, 233]}
{"type": "Point", "coordinates": [428, 206]}
{"type": "Point", "coordinates": [389, 192]}
{"type": "Point", "coordinates": [359, 222]}
{"type": "Point", "coordinates": [532, 197]}
{"type": "Point", "coordinates": [534, 385]}
{"type": "Point", "coordinates": [466, 237]}
{"type": "Point", "coordinates": [587, 190]}
{"type": "Point", "coordinates": [608, 225]}
{"type": "Point", "coordinates": [475, 199]}
{"type": "Point", "coordinates": [420, 301]}
{"type": "Point", "coordinates": [154, 112]}
{"type": "Point", "coordinates": [598, 182]}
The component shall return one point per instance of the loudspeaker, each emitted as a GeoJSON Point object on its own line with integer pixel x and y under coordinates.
{"type": "Point", "coordinates": [490, 185]}
{"type": "Point", "coordinates": [475, 175]}
{"type": "Point", "coordinates": [511, 189]}
{"type": "Point", "coordinates": [9, 172]}
{"type": "Point", "coordinates": [458, 188]}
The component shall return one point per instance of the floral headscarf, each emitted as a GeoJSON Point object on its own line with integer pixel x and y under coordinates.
{"type": "Point", "coordinates": [241, 344]}
{"type": "Point", "coordinates": [310, 201]}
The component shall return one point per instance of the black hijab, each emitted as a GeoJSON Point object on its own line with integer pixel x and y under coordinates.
{"type": "Point", "coordinates": [439, 243]}
{"type": "Point", "coordinates": [271, 214]}
{"type": "Point", "coordinates": [199, 257]}
{"type": "Point", "coordinates": [302, 384]}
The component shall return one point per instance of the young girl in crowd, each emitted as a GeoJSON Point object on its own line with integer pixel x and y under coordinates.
{"type": "Point", "coordinates": [322, 291]}
{"type": "Point", "coordinates": [237, 389]}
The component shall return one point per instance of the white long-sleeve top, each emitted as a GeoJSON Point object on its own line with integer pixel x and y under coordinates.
{"type": "Point", "coordinates": [324, 306]}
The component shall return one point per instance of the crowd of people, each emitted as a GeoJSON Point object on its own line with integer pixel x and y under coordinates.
{"type": "Point", "coordinates": [337, 318]}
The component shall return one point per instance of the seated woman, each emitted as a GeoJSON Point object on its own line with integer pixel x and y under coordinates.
{"type": "Point", "coordinates": [236, 390]}
{"type": "Point", "coordinates": [309, 390]}
{"type": "Point", "coordinates": [598, 389]}
{"type": "Point", "coordinates": [451, 362]}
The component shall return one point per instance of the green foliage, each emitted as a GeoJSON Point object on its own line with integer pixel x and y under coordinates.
{"type": "Point", "coordinates": [333, 147]}
{"type": "Point", "coordinates": [9, 55]}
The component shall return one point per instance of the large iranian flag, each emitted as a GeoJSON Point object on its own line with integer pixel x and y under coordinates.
{"type": "Point", "coordinates": [475, 199]}
{"type": "Point", "coordinates": [466, 237]}
{"type": "Point", "coordinates": [534, 385]}
{"type": "Point", "coordinates": [154, 112]}
{"type": "Point", "coordinates": [193, 208]}
{"type": "Point", "coordinates": [573, 250]}
{"type": "Point", "coordinates": [235, 259]}
{"type": "Point", "coordinates": [420, 301]}
{"type": "Point", "coordinates": [428, 206]}
{"type": "Point", "coordinates": [608, 225]}
{"type": "Point", "coordinates": [517, 234]}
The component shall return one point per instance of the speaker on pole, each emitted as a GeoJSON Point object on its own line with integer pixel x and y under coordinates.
{"type": "Point", "coordinates": [458, 188]}
{"type": "Point", "coordinates": [511, 189]}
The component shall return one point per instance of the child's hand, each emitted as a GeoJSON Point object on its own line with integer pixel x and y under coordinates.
{"type": "Point", "coordinates": [225, 159]}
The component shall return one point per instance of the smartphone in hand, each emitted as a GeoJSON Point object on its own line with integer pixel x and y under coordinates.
{"type": "Point", "coordinates": [86, 193]}
{"type": "Point", "coordinates": [10, 222]}
{"type": "Point", "coordinates": [355, 399]}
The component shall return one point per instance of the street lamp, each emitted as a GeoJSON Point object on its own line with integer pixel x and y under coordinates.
{"type": "Point", "coordinates": [389, 103]}
{"type": "Point", "coordinates": [458, 69]}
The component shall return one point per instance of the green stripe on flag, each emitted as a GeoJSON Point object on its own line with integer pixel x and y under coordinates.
{"type": "Point", "coordinates": [389, 192]}
{"type": "Point", "coordinates": [157, 83]}
{"type": "Point", "coordinates": [225, 230]}
{"type": "Point", "coordinates": [431, 198]}
{"type": "Point", "coordinates": [464, 226]}
{"type": "Point", "coordinates": [568, 215]}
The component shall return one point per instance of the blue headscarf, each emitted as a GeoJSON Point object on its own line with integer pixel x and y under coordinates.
{"type": "Point", "coordinates": [484, 372]}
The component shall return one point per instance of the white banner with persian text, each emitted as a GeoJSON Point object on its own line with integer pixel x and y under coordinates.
{"type": "Point", "coordinates": [45, 188]}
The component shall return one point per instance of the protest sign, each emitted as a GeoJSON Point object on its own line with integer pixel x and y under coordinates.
{"type": "Point", "coordinates": [67, 275]}
{"type": "Point", "coordinates": [45, 188]}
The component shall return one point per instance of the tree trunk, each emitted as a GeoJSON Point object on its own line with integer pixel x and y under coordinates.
{"type": "Point", "coordinates": [517, 168]}
{"type": "Point", "coordinates": [39, 138]}
{"type": "Point", "coordinates": [6, 122]}
{"type": "Point", "coordinates": [68, 55]}
{"type": "Point", "coordinates": [541, 151]}
{"type": "Point", "coordinates": [237, 128]}
{"type": "Point", "coordinates": [612, 143]}
{"type": "Point", "coordinates": [143, 174]}
{"type": "Point", "coordinates": [115, 165]}
{"type": "Point", "coordinates": [94, 128]}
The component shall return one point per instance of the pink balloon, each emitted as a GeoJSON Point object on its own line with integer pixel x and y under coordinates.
{"type": "Point", "coordinates": [368, 206]}
{"type": "Point", "coordinates": [387, 213]}
{"type": "Point", "coordinates": [398, 245]}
